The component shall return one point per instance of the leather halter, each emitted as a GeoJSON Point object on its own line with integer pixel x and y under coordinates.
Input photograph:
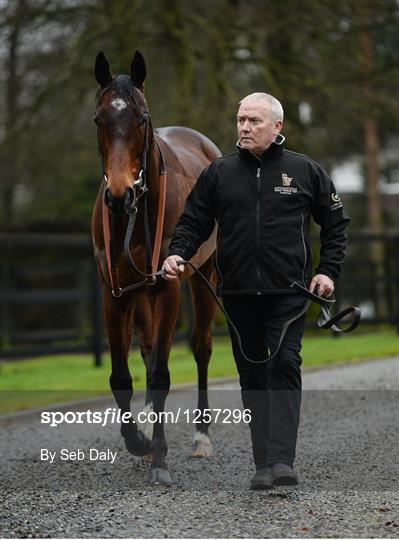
{"type": "Point", "coordinates": [139, 190]}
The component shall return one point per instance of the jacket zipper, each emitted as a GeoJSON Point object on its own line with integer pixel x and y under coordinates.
{"type": "Point", "coordinates": [258, 232]}
{"type": "Point", "coordinates": [304, 250]}
{"type": "Point", "coordinates": [217, 266]}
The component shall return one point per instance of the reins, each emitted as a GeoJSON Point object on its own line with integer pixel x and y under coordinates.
{"type": "Point", "coordinates": [152, 261]}
{"type": "Point", "coordinates": [324, 321]}
{"type": "Point", "coordinates": [139, 190]}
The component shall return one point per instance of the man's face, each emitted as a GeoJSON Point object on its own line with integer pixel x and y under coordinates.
{"type": "Point", "coordinates": [256, 127]}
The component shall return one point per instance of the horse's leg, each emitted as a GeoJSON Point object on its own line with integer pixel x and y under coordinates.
{"type": "Point", "coordinates": [204, 308]}
{"type": "Point", "coordinates": [164, 321]}
{"type": "Point", "coordinates": [143, 324]}
{"type": "Point", "coordinates": [119, 322]}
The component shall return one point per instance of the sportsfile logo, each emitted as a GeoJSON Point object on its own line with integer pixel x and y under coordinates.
{"type": "Point", "coordinates": [286, 188]}
{"type": "Point", "coordinates": [115, 416]}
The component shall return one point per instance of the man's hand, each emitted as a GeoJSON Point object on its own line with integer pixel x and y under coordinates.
{"type": "Point", "coordinates": [324, 283]}
{"type": "Point", "coordinates": [171, 267]}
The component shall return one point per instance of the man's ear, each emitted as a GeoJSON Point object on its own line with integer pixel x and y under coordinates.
{"type": "Point", "coordinates": [278, 126]}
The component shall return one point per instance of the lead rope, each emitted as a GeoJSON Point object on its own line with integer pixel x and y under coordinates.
{"type": "Point", "coordinates": [324, 321]}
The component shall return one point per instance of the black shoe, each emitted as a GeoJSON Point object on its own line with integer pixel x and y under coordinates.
{"type": "Point", "coordinates": [262, 479]}
{"type": "Point", "coordinates": [284, 475]}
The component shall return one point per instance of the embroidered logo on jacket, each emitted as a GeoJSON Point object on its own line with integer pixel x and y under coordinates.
{"type": "Point", "coordinates": [335, 197]}
{"type": "Point", "coordinates": [286, 180]}
{"type": "Point", "coordinates": [286, 188]}
{"type": "Point", "coordinates": [336, 200]}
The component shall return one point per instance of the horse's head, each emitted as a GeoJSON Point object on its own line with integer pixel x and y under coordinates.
{"type": "Point", "coordinates": [122, 120]}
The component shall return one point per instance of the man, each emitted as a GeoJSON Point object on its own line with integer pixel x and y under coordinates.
{"type": "Point", "coordinates": [262, 197]}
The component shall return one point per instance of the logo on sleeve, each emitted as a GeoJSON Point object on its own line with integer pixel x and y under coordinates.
{"type": "Point", "coordinates": [286, 188]}
{"type": "Point", "coordinates": [335, 197]}
{"type": "Point", "coordinates": [336, 201]}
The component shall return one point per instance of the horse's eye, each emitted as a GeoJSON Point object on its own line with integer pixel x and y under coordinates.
{"type": "Point", "coordinates": [96, 119]}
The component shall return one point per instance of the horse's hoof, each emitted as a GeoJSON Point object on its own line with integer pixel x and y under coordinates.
{"type": "Point", "coordinates": [138, 445]}
{"type": "Point", "coordinates": [156, 475]}
{"type": "Point", "coordinates": [202, 446]}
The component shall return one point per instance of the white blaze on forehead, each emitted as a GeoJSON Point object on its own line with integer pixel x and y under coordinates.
{"type": "Point", "coordinates": [118, 104]}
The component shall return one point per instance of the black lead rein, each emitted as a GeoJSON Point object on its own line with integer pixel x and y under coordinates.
{"type": "Point", "coordinates": [324, 320]}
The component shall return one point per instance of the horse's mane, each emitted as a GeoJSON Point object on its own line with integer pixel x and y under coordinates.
{"type": "Point", "coordinates": [122, 85]}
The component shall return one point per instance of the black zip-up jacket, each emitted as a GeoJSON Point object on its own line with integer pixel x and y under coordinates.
{"type": "Point", "coordinates": [263, 206]}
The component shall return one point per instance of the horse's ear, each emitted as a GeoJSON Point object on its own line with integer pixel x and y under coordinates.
{"type": "Point", "coordinates": [138, 70]}
{"type": "Point", "coordinates": [102, 71]}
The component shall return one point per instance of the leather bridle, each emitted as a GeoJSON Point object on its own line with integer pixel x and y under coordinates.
{"type": "Point", "coordinates": [138, 190]}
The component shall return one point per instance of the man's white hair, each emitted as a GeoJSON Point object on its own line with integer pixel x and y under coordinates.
{"type": "Point", "coordinates": [275, 106]}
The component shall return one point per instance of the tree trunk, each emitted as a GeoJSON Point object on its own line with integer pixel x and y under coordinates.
{"type": "Point", "coordinates": [371, 142]}
{"type": "Point", "coordinates": [11, 160]}
{"type": "Point", "coordinates": [375, 209]}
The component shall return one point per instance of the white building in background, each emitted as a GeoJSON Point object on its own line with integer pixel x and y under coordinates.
{"type": "Point", "coordinates": [348, 176]}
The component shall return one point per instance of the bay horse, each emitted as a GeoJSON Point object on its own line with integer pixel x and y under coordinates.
{"type": "Point", "coordinates": [147, 175]}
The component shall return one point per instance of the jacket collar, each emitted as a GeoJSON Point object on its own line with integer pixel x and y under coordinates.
{"type": "Point", "coordinates": [274, 150]}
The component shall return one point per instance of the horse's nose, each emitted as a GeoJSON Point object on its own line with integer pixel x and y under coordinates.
{"type": "Point", "coordinates": [117, 205]}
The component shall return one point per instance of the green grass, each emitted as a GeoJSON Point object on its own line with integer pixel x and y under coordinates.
{"type": "Point", "coordinates": [41, 381]}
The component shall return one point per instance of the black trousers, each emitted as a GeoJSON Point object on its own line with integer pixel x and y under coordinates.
{"type": "Point", "coordinates": [272, 390]}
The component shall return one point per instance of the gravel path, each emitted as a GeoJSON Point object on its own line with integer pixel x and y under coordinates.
{"type": "Point", "coordinates": [347, 461]}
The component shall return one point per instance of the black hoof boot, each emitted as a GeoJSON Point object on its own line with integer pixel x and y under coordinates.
{"type": "Point", "coordinates": [156, 475]}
